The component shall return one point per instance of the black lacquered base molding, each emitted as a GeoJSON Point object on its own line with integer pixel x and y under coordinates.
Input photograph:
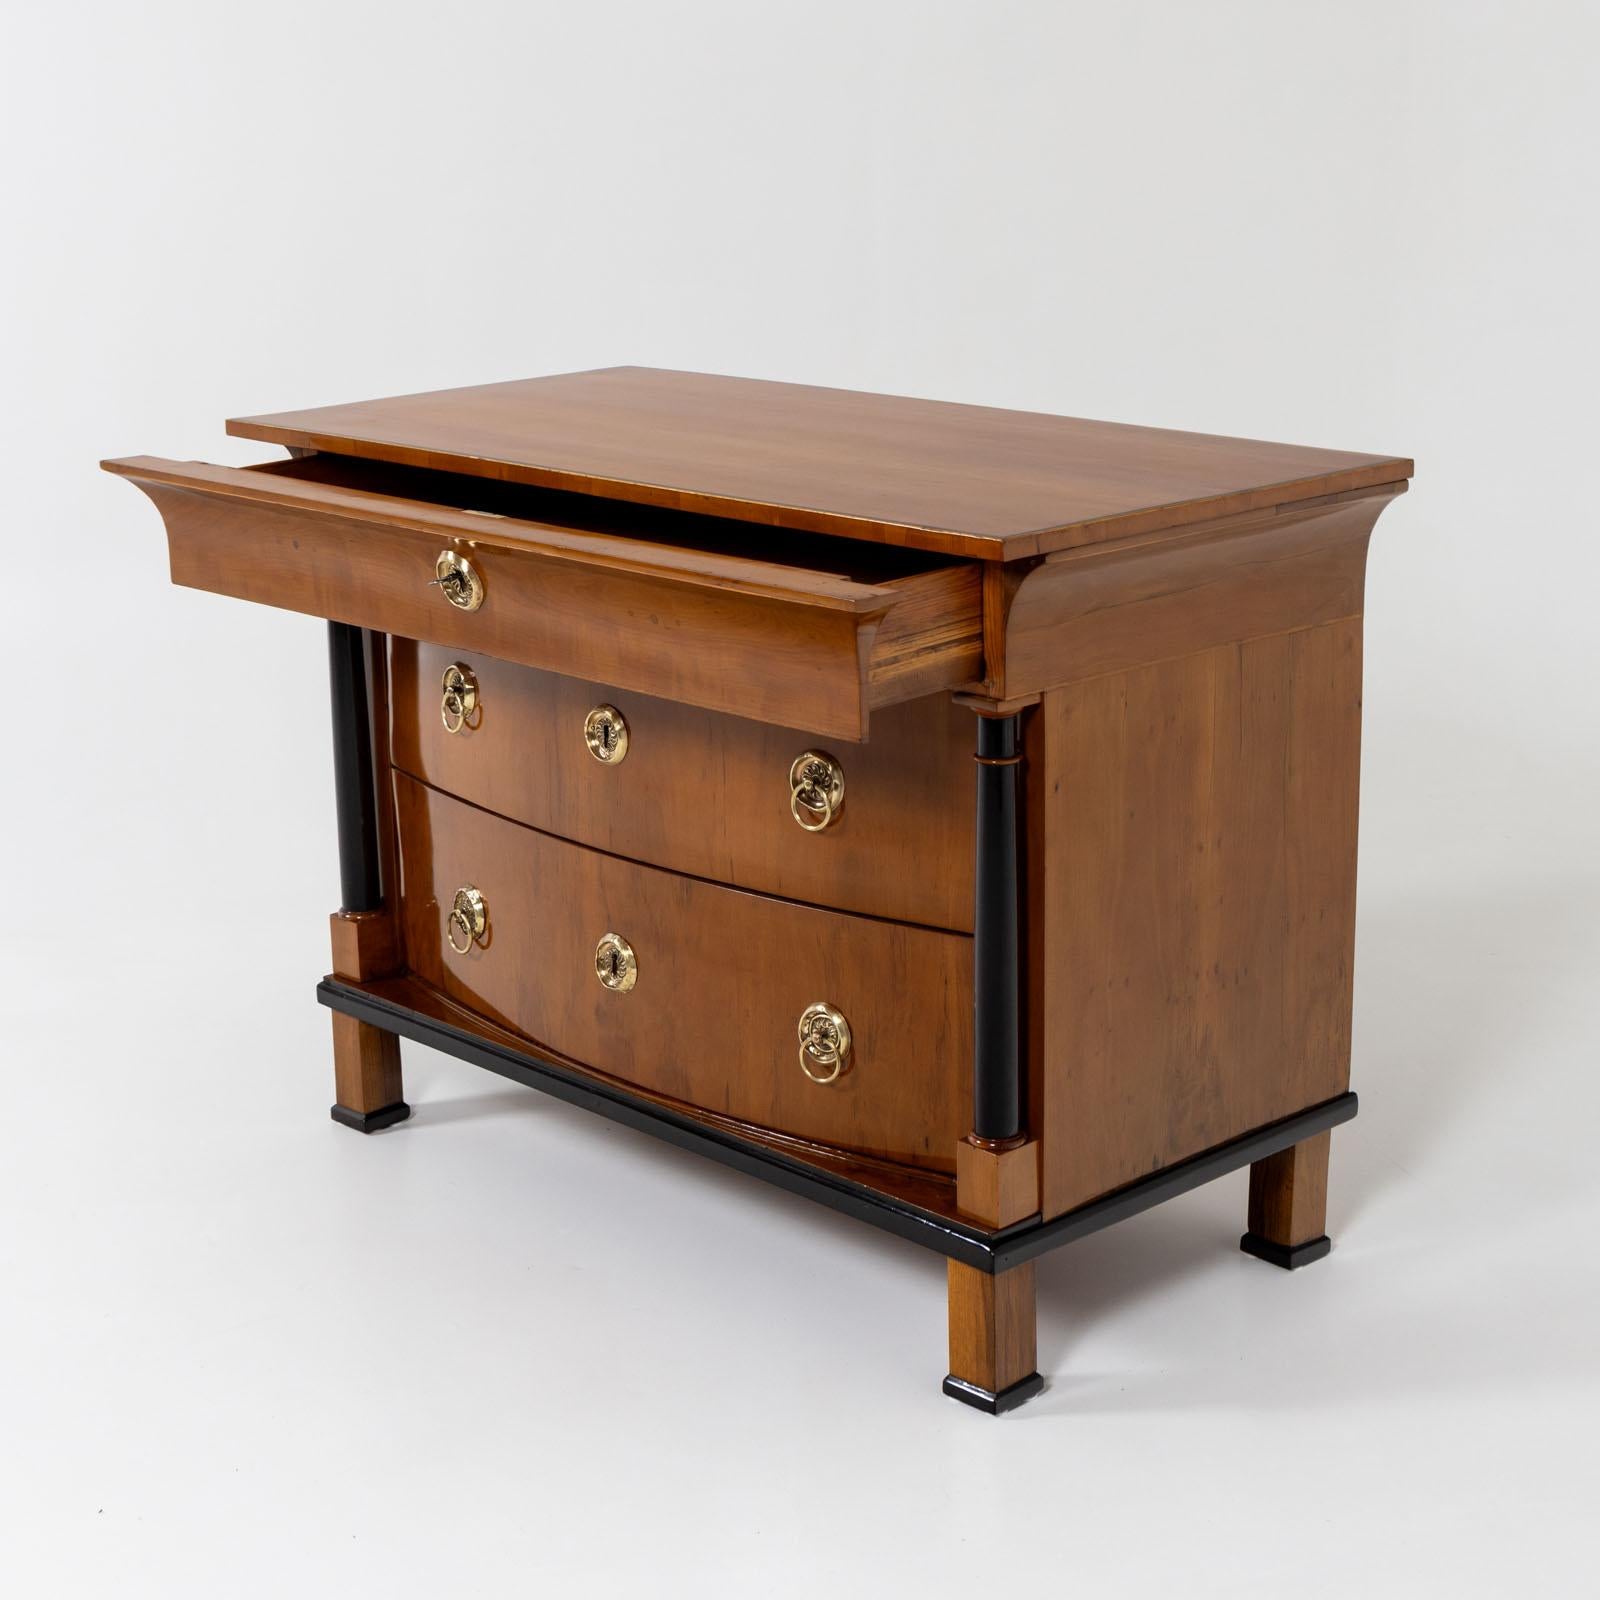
{"type": "Point", "coordinates": [1287, 1256]}
{"type": "Point", "coordinates": [985, 1249]}
{"type": "Point", "coordinates": [370, 1121]}
{"type": "Point", "coordinates": [969, 1394]}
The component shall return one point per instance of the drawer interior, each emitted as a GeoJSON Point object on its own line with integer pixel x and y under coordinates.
{"type": "Point", "coordinates": [855, 561]}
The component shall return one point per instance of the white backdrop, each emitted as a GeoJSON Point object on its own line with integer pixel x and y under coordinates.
{"type": "Point", "coordinates": [505, 1348]}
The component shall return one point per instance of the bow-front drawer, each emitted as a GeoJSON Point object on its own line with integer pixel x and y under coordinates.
{"type": "Point", "coordinates": [883, 828]}
{"type": "Point", "coordinates": [837, 1029]}
{"type": "Point", "coordinates": [810, 632]}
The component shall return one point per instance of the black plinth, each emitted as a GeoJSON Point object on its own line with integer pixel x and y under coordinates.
{"type": "Point", "coordinates": [1008, 1399]}
{"type": "Point", "coordinates": [985, 1249]}
{"type": "Point", "coordinates": [370, 1121]}
{"type": "Point", "coordinates": [1287, 1256]}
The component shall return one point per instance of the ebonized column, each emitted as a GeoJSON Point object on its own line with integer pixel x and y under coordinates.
{"type": "Point", "coordinates": [996, 1064]}
{"type": "Point", "coordinates": [354, 781]}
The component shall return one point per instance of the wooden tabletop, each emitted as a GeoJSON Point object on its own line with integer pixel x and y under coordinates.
{"type": "Point", "coordinates": [959, 480]}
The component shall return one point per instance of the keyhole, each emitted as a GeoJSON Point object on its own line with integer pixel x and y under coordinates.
{"type": "Point", "coordinates": [605, 732]}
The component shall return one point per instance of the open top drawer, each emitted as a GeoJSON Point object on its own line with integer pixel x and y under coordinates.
{"type": "Point", "coordinates": [811, 632]}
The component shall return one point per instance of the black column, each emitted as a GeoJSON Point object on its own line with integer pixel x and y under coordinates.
{"type": "Point", "coordinates": [354, 784]}
{"type": "Point", "coordinates": [996, 1064]}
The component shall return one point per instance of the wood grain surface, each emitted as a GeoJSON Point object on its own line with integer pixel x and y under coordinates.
{"type": "Point", "coordinates": [1194, 904]}
{"type": "Point", "coordinates": [723, 978]}
{"type": "Point", "coordinates": [366, 1066]}
{"type": "Point", "coordinates": [703, 793]}
{"type": "Point", "coordinates": [923, 1187]}
{"type": "Point", "coordinates": [993, 1325]}
{"type": "Point", "coordinates": [780, 643]}
{"type": "Point", "coordinates": [1289, 1193]}
{"type": "Point", "coordinates": [1102, 609]}
{"type": "Point", "coordinates": [964, 480]}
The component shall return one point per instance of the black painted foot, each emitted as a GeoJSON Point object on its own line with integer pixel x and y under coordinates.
{"type": "Point", "coordinates": [1008, 1399]}
{"type": "Point", "coordinates": [371, 1121]}
{"type": "Point", "coordinates": [1287, 1256]}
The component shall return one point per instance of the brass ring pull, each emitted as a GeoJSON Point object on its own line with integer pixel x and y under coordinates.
{"type": "Point", "coordinates": [816, 790]}
{"type": "Point", "coordinates": [824, 1042]}
{"type": "Point", "coordinates": [469, 916]}
{"type": "Point", "coordinates": [458, 580]}
{"type": "Point", "coordinates": [458, 698]}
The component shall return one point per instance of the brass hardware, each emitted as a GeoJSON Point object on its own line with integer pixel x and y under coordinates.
{"type": "Point", "coordinates": [469, 916]}
{"type": "Point", "coordinates": [605, 731]}
{"type": "Point", "coordinates": [614, 963]}
{"type": "Point", "coordinates": [459, 580]}
{"type": "Point", "coordinates": [458, 698]}
{"type": "Point", "coordinates": [824, 1042]}
{"type": "Point", "coordinates": [816, 790]}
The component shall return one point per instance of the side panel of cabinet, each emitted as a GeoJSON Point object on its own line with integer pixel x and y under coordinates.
{"type": "Point", "coordinates": [1192, 825]}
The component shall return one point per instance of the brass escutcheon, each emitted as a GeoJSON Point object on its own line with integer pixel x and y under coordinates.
{"type": "Point", "coordinates": [469, 916]}
{"type": "Point", "coordinates": [458, 698]}
{"type": "Point", "coordinates": [824, 1042]}
{"type": "Point", "coordinates": [816, 790]}
{"type": "Point", "coordinates": [459, 581]}
{"type": "Point", "coordinates": [605, 731]}
{"type": "Point", "coordinates": [614, 963]}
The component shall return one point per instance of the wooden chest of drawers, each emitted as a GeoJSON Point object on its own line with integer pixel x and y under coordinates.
{"type": "Point", "coordinates": [946, 814]}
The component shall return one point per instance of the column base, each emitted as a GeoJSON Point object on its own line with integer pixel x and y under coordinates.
{"type": "Point", "coordinates": [1287, 1256]}
{"type": "Point", "coordinates": [1008, 1399]}
{"type": "Point", "coordinates": [370, 1121]}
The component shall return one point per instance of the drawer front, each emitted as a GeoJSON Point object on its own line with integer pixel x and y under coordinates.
{"type": "Point", "coordinates": [798, 641]}
{"type": "Point", "coordinates": [703, 793]}
{"type": "Point", "coordinates": [722, 979]}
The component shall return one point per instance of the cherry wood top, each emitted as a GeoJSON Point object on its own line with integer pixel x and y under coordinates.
{"type": "Point", "coordinates": [960, 480]}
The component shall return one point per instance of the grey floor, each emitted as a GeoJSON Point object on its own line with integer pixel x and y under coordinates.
{"type": "Point", "coordinates": [508, 1345]}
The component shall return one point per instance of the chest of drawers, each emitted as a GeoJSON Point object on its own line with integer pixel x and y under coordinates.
{"type": "Point", "coordinates": [947, 814]}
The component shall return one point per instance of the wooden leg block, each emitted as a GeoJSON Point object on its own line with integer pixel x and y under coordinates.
{"type": "Point", "coordinates": [363, 945]}
{"type": "Point", "coordinates": [366, 1076]}
{"type": "Point", "coordinates": [1289, 1205]}
{"type": "Point", "coordinates": [997, 1186]}
{"type": "Point", "coordinates": [993, 1354]}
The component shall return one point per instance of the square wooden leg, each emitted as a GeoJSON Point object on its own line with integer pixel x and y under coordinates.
{"type": "Point", "coordinates": [1289, 1205]}
{"type": "Point", "coordinates": [366, 1076]}
{"type": "Point", "coordinates": [992, 1338]}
